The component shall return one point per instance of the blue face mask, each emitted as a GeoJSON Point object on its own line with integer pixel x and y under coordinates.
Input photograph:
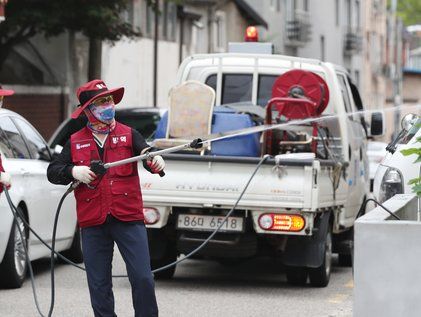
{"type": "Point", "coordinates": [104, 113]}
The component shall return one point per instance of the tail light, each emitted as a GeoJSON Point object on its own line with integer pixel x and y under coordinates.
{"type": "Point", "coordinates": [151, 215]}
{"type": "Point", "coordinates": [281, 222]}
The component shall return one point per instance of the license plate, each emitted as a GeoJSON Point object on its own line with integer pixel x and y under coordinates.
{"type": "Point", "coordinates": [209, 223]}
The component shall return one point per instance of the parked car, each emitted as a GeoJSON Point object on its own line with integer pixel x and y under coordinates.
{"type": "Point", "coordinates": [396, 170]}
{"type": "Point", "coordinates": [376, 151]}
{"type": "Point", "coordinates": [144, 120]}
{"type": "Point", "coordinates": [26, 156]}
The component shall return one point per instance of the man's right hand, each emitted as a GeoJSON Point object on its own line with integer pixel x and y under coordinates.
{"type": "Point", "coordinates": [83, 174]}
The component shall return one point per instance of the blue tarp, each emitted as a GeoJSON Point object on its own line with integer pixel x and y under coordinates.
{"type": "Point", "coordinates": [225, 119]}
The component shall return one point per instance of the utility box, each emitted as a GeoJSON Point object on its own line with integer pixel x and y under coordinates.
{"type": "Point", "coordinates": [387, 260]}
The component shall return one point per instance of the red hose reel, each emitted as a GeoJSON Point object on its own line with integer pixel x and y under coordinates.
{"type": "Point", "coordinates": [297, 94]}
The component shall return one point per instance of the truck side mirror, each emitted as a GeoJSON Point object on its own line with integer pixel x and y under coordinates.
{"type": "Point", "coordinates": [377, 124]}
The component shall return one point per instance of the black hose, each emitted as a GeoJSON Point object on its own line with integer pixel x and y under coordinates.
{"type": "Point", "coordinates": [53, 244]}
{"type": "Point", "coordinates": [31, 272]}
{"type": "Point", "coordinates": [16, 212]}
{"type": "Point", "coordinates": [364, 205]}
{"type": "Point", "coordinates": [264, 158]}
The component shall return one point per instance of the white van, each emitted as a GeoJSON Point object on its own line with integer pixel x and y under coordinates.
{"type": "Point", "coordinates": [396, 170]}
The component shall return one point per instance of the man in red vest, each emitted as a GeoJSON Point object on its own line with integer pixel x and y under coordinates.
{"type": "Point", "coordinates": [109, 207]}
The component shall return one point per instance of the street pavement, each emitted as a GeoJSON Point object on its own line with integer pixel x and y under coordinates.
{"type": "Point", "coordinates": [199, 288]}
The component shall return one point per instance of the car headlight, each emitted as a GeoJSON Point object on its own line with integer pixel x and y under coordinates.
{"type": "Point", "coordinates": [392, 184]}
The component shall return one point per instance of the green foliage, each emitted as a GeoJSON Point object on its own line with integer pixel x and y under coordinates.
{"type": "Point", "coordinates": [415, 182]}
{"type": "Point", "coordinates": [97, 19]}
{"type": "Point", "coordinates": [409, 11]}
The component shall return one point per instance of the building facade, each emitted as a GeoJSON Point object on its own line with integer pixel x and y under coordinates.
{"type": "Point", "coordinates": [45, 73]}
{"type": "Point", "coordinates": [204, 26]}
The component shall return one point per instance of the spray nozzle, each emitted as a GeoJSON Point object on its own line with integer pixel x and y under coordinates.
{"type": "Point", "coordinates": [196, 143]}
{"type": "Point", "coordinates": [98, 167]}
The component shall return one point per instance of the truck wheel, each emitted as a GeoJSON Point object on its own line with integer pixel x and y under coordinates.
{"type": "Point", "coordinates": [296, 275]}
{"type": "Point", "coordinates": [170, 256]}
{"type": "Point", "coordinates": [345, 260]}
{"type": "Point", "coordinates": [74, 254]}
{"type": "Point", "coordinates": [319, 277]}
{"type": "Point", "coordinates": [14, 265]}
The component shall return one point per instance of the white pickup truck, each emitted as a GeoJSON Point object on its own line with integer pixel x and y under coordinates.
{"type": "Point", "coordinates": [292, 210]}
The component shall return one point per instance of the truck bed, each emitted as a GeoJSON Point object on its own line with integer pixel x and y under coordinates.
{"type": "Point", "coordinates": [208, 181]}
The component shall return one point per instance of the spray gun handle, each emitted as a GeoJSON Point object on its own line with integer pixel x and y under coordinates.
{"type": "Point", "coordinates": [162, 173]}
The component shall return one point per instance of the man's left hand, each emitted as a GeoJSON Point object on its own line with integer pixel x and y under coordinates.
{"type": "Point", "coordinates": [157, 164]}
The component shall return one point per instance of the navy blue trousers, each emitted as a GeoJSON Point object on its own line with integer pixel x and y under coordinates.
{"type": "Point", "coordinates": [98, 248]}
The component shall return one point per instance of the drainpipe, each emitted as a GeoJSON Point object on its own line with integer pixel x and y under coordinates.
{"type": "Point", "coordinates": [155, 54]}
{"type": "Point", "coordinates": [210, 25]}
{"type": "Point", "coordinates": [180, 14]}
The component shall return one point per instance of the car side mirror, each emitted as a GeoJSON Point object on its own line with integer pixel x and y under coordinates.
{"type": "Point", "coordinates": [377, 124]}
{"type": "Point", "coordinates": [408, 121]}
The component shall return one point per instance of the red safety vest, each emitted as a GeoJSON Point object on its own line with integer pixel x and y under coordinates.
{"type": "Point", "coordinates": [118, 191]}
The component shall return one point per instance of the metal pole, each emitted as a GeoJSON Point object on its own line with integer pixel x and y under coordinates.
{"type": "Point", "coordinates": [155, 54]}
{"type": "Point", "coordinates": [399, 97]}
{"type": "Point", "coordinates": [395, 64]}
{"type": "Point", "coordinates": [180, 14]}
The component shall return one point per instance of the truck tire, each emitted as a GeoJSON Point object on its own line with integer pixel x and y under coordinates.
{"type": "Point", "coordinates": [296, 275]}
{"type": "Point", "coordinates": [170, 256]}
{"type": "Point", "coordinates": [75, 253]}
{"type": "Point", "coordinates": [320, 276]}
{"type": "Point", "coordinates": [345, 260]}
{"type": "Point", "coordinates": [14, 266]}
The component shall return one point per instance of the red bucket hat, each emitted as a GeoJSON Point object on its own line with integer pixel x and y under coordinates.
{"type": "Point", "coordinates": [5, 92]}
{"type": "Point", "coordinates": [93, 90]}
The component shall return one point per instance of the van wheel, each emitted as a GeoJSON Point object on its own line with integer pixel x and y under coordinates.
{"type": "Point", "coordinates": [296, 275]}
{"type": "Point", "coordinates": [170, 256]}
{"type": "Point", "coordinates": [320, 276]}
{"type": "Point", "coordinates": [75, 253]}
{"type": "Point", "coordinates": [14, 265]}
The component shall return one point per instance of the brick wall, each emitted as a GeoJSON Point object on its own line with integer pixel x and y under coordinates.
{"type": "Point", "coordinates": [44, 111]}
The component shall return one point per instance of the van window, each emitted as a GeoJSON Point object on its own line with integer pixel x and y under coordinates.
{"type": "Point", "coordinates": [264, 92]}
{"type": "Point", "coordinates": [36, 144]}
{"type": "Point", "coordinates": [15, 139]}
{"type": "Point", "coordinates": [5, 146]}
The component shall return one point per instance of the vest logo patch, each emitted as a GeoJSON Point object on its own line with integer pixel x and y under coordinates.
{"type": "Point", "coordinates": [117, 139]}
{"type": "Point", "coordinates": [81, 146]}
